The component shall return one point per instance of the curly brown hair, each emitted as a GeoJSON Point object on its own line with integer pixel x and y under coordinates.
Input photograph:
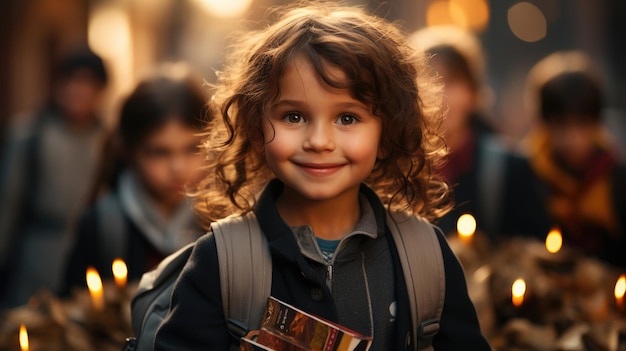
{"type": "Point", "coordinates": [380, 69]}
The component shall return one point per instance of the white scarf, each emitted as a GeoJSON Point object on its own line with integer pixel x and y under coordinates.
{"type": "Point", "coordinates": [166, 234]}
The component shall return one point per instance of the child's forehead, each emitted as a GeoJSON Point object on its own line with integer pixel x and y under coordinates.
{"type": "Point", "coordinates": [300, 73]}
{"type": "Point", "coordinates": [321, 68]}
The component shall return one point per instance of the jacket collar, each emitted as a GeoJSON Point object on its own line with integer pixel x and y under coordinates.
{"type": "Point", "coordinates": [280, 236]}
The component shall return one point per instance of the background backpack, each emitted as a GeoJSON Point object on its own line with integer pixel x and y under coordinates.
{"type": "Point", "coordinates": [243, 253]}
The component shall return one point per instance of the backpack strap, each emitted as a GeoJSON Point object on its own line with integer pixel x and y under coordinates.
{"type": "Point", "coordinates": [245, 268]}
{"type": "Point", "coordinates": [422, 263]}
{"type": "Point", "coordinates": [151, 301]}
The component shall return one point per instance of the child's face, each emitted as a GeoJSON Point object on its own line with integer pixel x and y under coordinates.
{"type": "Point", "coordinates": [167, 160]}
{"type": "Point", "coordinates": [460, 97]}
{"type": "Point", "coordinates": [320, 141]}
{"type": "Point", "coordinates": [573, 141]}
{"type": "Point", "coordinates": [79, 96]}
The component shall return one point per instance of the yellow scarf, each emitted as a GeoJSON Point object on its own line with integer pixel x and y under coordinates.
{"type": "Point", "coordinates": [572, 200]}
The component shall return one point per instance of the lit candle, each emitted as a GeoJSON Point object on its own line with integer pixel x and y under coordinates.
{"type": "Point", "coordinates": [466, 227]}
{"type": "Point", "coordinates": [554, 240]}
{"type": "Point", "coordinates": [517, 292]}
{"type": "Point", "coordinates": [620, 289]}
{"type": "Point", "coordinates": [23, 338]}
{"type": "Point", "coordinates": [94, 284]}
{"type": "Point", "coordinates": [120, 272]}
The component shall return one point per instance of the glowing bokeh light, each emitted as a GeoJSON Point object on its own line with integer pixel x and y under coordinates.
{"type": "Point", "coordinates": [109, 31]}
{"type": "Point", "coordinates": [438, 14]}
{"type": "Point", "coordinates": [23, 336]}
{"type": "Point", "coordinates": [620, 290]}
{"type": "Point", "coordinates": [518, 289]}
{"type": "Point", "coordinates": [475, 13]}
{"type": "Point", "coordinates": [466, 225]}
{"type": "Point", "coordinates": [527, 22]}
{"type": "Point", "coordinates": [225, 8]}
{"type": "Point", "coordinates": [457, 14]}
{"type": "Point", "coordinates": [120, 272]}
{"type": "Point", "coordinates": [96, 290]}
{"type": "Point", "coordinates": [554, 241]}
{"type": "Point", "coordinates": [471, 15]}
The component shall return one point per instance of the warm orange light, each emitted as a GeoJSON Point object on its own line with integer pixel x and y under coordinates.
{"type": "Point", "coordinates": [439, 13]}
{"type": "Point", "coordinates": [94, 284]}
{"type": "Point", "coordinates": [227, 9]}
{"type": "Point", "coordinates": [620, 289]}
{"type": "Point", "coordinates": [467, 14]}
{"type": "Point", "coordinates": [120, 272]}
{"type": "Point", "coordinates": [466, 227]}
{"type": "Point", "coordinates": [23, 338]}
{"type": "Point", "coordinates": [108, 30]}
{"type": "Point", "coordinates": [554, 240]}
{"type": "Point", "coordinates": [475, 13]}
{"type": "Point", "coordinates": [517, 292]}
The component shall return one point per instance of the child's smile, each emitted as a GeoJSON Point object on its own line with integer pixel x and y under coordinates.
{"type": "Point", "coordinates": [320, 141]}
{"type": "Point", "coordinates": [320, 169]}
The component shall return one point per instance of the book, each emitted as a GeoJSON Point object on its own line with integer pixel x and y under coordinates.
{"type": "Point", "coordinates": [246, 344]}
{"type": "Point", "coordinates": [307, 331]}
{"type": "Point", "coordinates": [265, 340]}
{"type": "Point", "coordinates": [278, 342]}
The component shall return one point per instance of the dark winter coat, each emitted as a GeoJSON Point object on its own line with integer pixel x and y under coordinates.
{"type": "Point", "coordinates": [196, 320]}
{"type": "Point", "coordinates": [126, 224]}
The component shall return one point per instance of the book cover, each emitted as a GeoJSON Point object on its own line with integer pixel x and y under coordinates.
{"type": "Point", "coordinates": [309, 331]}
{"type": "Point", "coordinates": [265, 340]}
{"type": "Point", "coordinates": [246, 344]}
{"type": "Point", "coordinates": [278, 342]}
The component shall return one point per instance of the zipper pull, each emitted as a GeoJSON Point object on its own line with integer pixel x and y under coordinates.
{"type": "Point", "coordinates": [329, 277]}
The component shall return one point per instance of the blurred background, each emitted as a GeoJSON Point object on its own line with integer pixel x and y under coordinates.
{"type": "Point", "coordinates": [135, 35]}
{"type": "Point", "coordinates": [571, 300]}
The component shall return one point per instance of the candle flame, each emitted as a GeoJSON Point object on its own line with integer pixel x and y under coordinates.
{"type": "Point", "coordinates": [94, 284]}
{"type": "Point", "coordinates": [23, 338]}
{"type": "Point", "coordinates": [554, 240]}
{"type": "Point", "coordinates": [620, 287]}
{"type": "Point", "coordinates": [466, 226]}
{"type": "Point", "coordinates": [518, 289]}
{"type": "Point", "coordinates": [120, 272]}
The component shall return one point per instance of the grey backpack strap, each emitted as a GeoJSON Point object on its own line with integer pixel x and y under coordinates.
{"type": "Point", "coordinates": [112, 228]}
{"type": "Point", "coordinates": [151, 301]}
{"type": "Point", "coordinates": [424, 272]}
{"type": "Point", "coordinates": [245, 268]}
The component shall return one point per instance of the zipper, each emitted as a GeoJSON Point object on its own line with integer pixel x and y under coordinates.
{"type": "Point", "coordinates": [329, 277]}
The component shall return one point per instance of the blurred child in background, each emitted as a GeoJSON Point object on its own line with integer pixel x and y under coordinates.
{"type": "Point", "coordinates": [582, 184]}
{"type": "Point", "coordinates": [46, 171]}
{"type": "Point", "coordinates": [479, 167]}
{"type": "Point", "coordinates": [146, 215]}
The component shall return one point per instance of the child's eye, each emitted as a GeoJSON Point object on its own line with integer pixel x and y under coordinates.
{"type": "Point", "coordinates": [192, 149]}
{"type": "Point", "coordinates": [157, 152]}
{"type": "Point", "coordinates": [293, 117]}
{"type": "Point", "coordinates": [347, 118]}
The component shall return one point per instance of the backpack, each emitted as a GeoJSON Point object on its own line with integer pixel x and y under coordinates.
{"type": "Point", "coordinates": [243, 252]}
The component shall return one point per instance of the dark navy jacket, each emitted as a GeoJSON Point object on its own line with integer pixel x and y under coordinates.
{"type": "Point", "coordinates": [196, 320]}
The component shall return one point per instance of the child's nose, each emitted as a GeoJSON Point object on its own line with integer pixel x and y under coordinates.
{"type": "Point", "coordinates": [178, 165]}
{"type": "Point", "coordinates": [319, 138]}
